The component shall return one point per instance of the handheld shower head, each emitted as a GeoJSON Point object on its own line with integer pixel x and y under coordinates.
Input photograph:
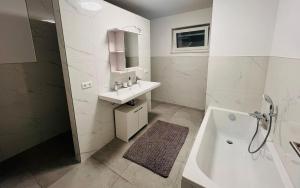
{"type": "Point", "coordinates": [270, 101]}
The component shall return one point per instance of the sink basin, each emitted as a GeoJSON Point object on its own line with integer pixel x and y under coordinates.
{"type": "Point", "coordinates": [126, 94]}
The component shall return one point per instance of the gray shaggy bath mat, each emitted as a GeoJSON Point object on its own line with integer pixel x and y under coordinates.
{"type": "Point", "coordinates": [158, 147]}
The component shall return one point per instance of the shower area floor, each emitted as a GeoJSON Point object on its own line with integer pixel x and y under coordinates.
{"type": "Point", "coordinates": [41, 165]}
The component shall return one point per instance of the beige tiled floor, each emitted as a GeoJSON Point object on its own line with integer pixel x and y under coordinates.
{"type": "Point", "coordinates": [112, 170]}
{"type": "Point", "coordinates": [108, 168]}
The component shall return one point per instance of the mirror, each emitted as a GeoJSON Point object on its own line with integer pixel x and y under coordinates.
{"type": "Point", "coordinates": [131, 49]}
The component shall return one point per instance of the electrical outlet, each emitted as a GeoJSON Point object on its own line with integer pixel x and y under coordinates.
{"type": "Point", "coordinates": [86, 85]}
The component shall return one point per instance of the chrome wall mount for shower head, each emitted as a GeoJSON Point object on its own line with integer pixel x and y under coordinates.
{"type": "Point", "coordinates": [269, 100]}
{"type": "Point", "coordinates": [273, 109]}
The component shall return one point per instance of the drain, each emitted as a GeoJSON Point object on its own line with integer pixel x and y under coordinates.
{"type": "Point", "coordinates": [229, 142]}
{"type": "Point", "coordinates": [232, 117]}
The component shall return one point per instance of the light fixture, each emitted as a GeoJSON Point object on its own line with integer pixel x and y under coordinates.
{"type": "Point", "coordinates": [49, 20]}
{"type": "Point", "coordinates": [91, 5]}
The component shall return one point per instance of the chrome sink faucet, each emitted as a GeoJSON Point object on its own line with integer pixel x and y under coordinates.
{"type": "Point", "coordinates": [117, 85]}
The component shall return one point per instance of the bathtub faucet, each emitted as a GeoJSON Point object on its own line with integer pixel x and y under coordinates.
{"type": "Point", "coordinates": [259, 116]}
{"type": "Point", "coordinates": [263, 117]}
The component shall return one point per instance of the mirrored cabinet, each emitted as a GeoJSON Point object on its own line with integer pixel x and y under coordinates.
{"type": "Point", "coordinates": [123, 50]}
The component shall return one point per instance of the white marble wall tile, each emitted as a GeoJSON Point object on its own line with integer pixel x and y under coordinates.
{"type": "Point", "coordinates": [183, 80]}
{"type": "Point", "coordinates": [83, 43]}
{"type": "Point", "coordinates": [283, 86]}
{"type": "Point", "coordinates": [236, 82]}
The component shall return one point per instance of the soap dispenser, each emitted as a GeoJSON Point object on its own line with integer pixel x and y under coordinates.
{"type": "Point", "coordinates": [129, 81]}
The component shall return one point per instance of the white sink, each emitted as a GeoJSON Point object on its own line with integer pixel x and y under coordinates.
{"type": "Point", "coordinates": [126, 94]}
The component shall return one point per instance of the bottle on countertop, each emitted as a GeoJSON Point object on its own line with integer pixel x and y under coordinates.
{"type": "Point", "coordinates": [129, 81]}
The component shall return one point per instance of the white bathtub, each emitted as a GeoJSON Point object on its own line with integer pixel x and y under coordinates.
{"type": "Point", "coordinates": [214, 163]}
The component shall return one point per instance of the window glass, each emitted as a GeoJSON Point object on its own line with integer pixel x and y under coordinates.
{"type": "Point", "coordinates": [190, 39]}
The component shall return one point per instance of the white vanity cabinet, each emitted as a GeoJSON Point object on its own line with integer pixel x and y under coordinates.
{"type": "Point", "coordinates": [130, 119]}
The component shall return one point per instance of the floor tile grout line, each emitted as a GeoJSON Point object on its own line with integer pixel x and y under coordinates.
{"type": "Point", "coordinates": [120, 175]}
{"type": "Point", "coordinates": [115, 181]}
{"type": "Point", "coordinates": [111, 169]}
{"type": "Point", "coordinates": [36, 180]}
{"type": "Point", "coordinates": [75, 167]}
{"type": "Point", "coordinates": [123, 178]}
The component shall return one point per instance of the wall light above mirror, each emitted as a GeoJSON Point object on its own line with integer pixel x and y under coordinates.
{"type": "Point", "coordinates": [91, 5]}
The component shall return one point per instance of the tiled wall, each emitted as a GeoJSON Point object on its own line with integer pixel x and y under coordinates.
{"type": "Point", "coordinates": [236, 82]}
{"type": "Point", "coordinates": [183, 75]}
{"type": "Point", "coordinates": [85, 57]}
{"type": "Point", "coordinates": [240, 45]}
{"type": "Point", "coordinates": [33, 105]}
{"type": "Point", "coordinates": [183, 80]}
{"type": "Point", "coordinates": [283, 85]}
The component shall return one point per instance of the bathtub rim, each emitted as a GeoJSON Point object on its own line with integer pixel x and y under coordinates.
{"type": "Point", "coordinates": [194, 175]}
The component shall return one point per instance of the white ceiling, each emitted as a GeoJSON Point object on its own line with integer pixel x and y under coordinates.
{"type": "Point", "coordinates": [159, 8]}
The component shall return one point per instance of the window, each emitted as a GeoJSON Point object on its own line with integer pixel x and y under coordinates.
{"type": "Point", "coordinates": [190, 39]}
